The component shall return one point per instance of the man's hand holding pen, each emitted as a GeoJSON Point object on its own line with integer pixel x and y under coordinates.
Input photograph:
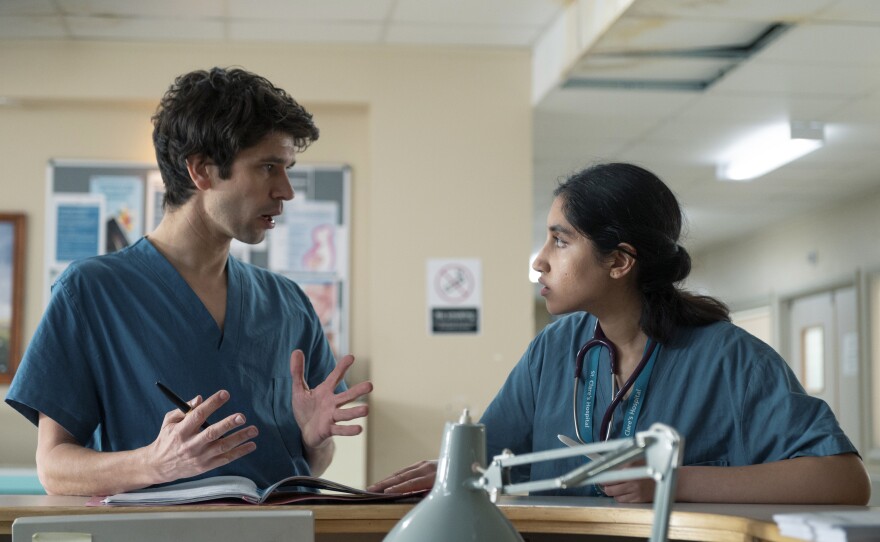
{"type": "Point", "coordinates": [188, 445]}
{"type": "Point", "coordinates": [183, 449]}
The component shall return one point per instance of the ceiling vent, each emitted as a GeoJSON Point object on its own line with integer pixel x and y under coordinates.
{"type": "Point", "coordinates": [692, 69]}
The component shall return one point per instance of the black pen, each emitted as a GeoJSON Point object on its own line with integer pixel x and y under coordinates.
{"type": "Point", "coordinates": [178, 402]}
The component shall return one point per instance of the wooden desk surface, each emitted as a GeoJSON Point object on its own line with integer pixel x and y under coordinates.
{"type": "Point", "coordinates": [538, 515]}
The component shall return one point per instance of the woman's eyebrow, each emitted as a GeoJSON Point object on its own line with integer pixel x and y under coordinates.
{"type": "Point", "coordinates": [558, 228]}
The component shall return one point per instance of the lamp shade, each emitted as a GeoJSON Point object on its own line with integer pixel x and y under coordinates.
{"type": "Point", "coordinates": [457, 509]}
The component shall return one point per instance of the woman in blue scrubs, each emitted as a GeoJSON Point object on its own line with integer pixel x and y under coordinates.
{"type": "Point", "coordinates": [612, 263]}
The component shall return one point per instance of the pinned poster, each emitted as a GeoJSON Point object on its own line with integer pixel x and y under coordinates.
{"type": "Point", "coordinates": [455, 296]}
{"type": "Point", "coordinates": [77, 222]}
{"type": "Point", "coordinates": [123, 208]}
{"type": "Point", "coordinates": [305, 239]}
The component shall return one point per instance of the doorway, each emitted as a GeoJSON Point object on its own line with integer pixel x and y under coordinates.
{"type": "Point", "coordinates": [821, 331]}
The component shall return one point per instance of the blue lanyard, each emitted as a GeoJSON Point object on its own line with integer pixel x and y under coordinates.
{"type": "Point", "coordinates": [632, 405]}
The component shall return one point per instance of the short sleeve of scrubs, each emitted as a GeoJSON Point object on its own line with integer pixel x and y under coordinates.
{"type": "Point", "coordinates": [783, 421]}
{"type": "Point", "coordinates": [64, 389]}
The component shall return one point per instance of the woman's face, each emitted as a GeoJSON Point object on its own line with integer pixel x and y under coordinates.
{"type": "Point", "coordinates": [572, 275]}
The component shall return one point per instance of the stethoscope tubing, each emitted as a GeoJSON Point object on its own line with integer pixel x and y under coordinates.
{"type": "Point", "coordinates": [599, 339]}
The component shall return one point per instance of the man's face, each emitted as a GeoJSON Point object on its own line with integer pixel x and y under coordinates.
{"type": "Point", "coordinates": [243, 206]}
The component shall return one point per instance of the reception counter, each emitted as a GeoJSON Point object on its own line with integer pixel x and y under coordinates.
{"type": "Point", "coordinates": [537, 518]}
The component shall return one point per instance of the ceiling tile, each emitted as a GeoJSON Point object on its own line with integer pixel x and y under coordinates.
{"type": "Point", "coordinates": [144, 29]}
{"type": "Point", "coordinates": [605, 103]}
{"type": "Point", "coordinates": [346, 11]}
{"type": "Point", "coordinates": [750, 10]}
{"type": "Point", "coordinates": [465, 35]}
{"type": "Point", "coordinates": [657, 150]}
{"type": "Point", "coordinates": [862, 109]}
{"type": "Point", "coordinates": [749, 198]}
{"type": "Point", "coordinates": [718, 106]}
{"type": "Point", "coordinates": [163, 9]}
{"type": "Point", "coordinates": [855, 136]}
{"type": "Point", "coordinates": [856, 11]}
{"type": "Point", "coordinates": [315, 32]}
{"type": "Point", "coordinates": [577, 139]}
{"type": "Point", "coordinates": [537, 13]}
{"type": "Point", "coordinates": [666, 34]}
{"type": "Point", "coordinates": [27, 7]}
{"type": "Point", "coordinates": [800, 79]}
{"type": "Point", "coordinates": [843, 45]}
{"type": "Point", "coordinates": [701, 142]}
{"type": "Point", "coordinates": [43, 27]}
{"type": "Point", "coordinates": [677, 176]}
{"type": "Point", "coordinates": [808, 182]}
{"type": "Point", "coordinates": [574, 154]}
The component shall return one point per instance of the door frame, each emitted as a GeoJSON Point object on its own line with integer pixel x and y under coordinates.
{"type": "Point", "coordinates": [859, 281]}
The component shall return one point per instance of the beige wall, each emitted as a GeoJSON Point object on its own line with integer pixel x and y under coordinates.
{"type": "Point", "coordinates": [777, 262]}
{"type": "Point", "coordinates": [439, 141]}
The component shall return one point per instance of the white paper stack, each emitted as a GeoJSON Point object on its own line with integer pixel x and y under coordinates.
{"type": "Point", "coordinates": [794, 526]}
{"type": "Point", "coordinates": [843, 526]}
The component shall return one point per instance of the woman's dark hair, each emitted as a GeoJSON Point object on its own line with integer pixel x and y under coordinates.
{"type": "Point", "coordinates": [219, 113]}
{"type": "Point", "coordinates": [622, 203]}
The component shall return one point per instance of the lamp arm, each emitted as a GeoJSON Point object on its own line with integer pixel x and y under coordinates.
{"type": "Point", "coordinates": [660, 445]}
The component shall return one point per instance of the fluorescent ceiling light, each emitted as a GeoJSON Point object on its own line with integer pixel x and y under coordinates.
{"type": "Point", "coordinates": [770, 148]}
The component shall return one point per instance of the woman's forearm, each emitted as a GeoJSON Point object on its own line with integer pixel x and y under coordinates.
{"type": "Point", "coordinates": [836, 479]}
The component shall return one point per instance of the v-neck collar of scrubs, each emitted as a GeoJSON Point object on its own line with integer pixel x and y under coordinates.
{"type": "Point", "coordinates": [629, 407]}
{"type": "Point", "coordinates": [204, 325]}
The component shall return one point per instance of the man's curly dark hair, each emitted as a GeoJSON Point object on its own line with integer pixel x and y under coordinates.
{"type": "Point", "coordinates": [219, 113]}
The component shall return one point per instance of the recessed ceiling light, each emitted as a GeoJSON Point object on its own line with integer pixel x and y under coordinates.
{"type": "Point", "coordinates": [770, 148]}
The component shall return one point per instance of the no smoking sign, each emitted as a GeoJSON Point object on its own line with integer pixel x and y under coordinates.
{"type": "Point", "coordinates": [454, 296]}
{"type": "Point", "coordinates": [454, 283]}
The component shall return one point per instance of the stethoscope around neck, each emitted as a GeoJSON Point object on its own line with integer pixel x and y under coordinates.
{"type": "Point", "coordinates": [600, 340]}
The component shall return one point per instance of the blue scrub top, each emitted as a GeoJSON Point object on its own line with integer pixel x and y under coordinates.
{"type": "Point", "coordinates": [117, 324]}
{"type": "Point", "coordinates": [732, 397]}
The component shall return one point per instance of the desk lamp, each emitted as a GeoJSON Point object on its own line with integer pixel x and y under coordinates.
{"type": "Point", "coordinates": [461, 504]}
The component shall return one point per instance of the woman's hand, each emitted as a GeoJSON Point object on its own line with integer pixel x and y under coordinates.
{"type": "Point", "coordinates": [419, 476]}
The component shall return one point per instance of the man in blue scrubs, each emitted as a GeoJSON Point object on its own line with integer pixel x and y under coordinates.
{"type": "Point", "coordinates": [243, 345]}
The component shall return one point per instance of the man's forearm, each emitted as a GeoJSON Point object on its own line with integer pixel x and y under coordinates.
{"type": "Point", "coordinates": [70, 469]}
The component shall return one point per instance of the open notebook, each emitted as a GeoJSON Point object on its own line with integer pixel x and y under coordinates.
{"type": "Point", "coordinates": [295, 489]}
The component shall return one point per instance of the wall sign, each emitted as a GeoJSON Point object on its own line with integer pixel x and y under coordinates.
{"type": "Point", "coordinates": [455, 301]}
